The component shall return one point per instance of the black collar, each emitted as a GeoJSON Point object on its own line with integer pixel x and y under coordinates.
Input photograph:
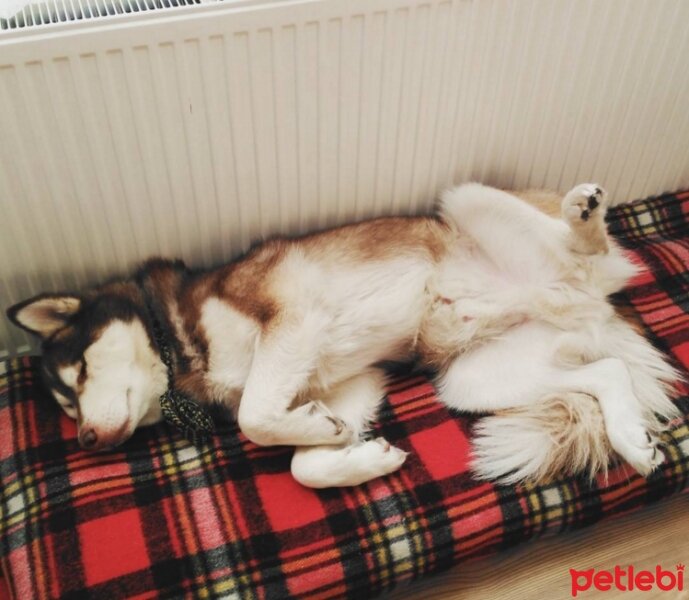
{"type": "Point", "coordinates": [178, 409]}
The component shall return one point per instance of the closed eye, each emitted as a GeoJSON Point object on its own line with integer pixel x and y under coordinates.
{"type": "Point", "coordinates": [81, 378]}
{"type": "Point", "coordinates": [66, 404]}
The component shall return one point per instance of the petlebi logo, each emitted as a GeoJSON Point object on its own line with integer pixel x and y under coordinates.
{"type": "Point", "coordinates": [627, 579]}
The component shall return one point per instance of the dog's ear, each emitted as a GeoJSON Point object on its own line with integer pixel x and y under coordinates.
{"type": "Point", "coordinates": [44, 314]}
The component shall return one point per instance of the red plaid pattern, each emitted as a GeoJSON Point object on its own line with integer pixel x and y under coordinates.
{"type": "Point", "coordinates": [161, 518]}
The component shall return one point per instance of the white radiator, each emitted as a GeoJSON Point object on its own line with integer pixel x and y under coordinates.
{"type": "Point", "coordinates": [130, 128]}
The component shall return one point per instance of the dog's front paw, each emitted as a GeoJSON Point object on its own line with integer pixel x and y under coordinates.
{"type": "Point", "coordinates": [636, 446]}
{"type": "Point", "coordinates": [378, 456]}
{"type": "Point", "coordinates": [335, 429]}
{"type": "Point", "coordinates": [584, 202]}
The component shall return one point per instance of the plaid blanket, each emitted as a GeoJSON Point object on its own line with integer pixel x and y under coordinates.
{"type": "Point", "coordinates": [161, 518]}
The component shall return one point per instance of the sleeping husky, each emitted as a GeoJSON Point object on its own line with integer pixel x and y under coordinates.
{"type": "Point", "coordinates": [507, 304]}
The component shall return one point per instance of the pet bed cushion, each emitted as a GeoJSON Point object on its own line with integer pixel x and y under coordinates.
{"type": "Point", "coordinates": [162, 518]}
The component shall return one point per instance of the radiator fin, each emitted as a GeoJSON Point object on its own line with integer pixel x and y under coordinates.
{"type": "Point", "coordinates": [20, 14]}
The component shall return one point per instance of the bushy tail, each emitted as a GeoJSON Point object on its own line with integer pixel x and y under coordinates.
{"type": "Point", "coordinates": [560, 436]}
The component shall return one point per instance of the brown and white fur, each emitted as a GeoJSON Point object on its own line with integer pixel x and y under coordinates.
{"type": "Point", "coordinates": [509, 305]}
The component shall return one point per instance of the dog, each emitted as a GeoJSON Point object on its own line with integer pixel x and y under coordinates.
{"type": "Point", "coordinates": [508, 305]}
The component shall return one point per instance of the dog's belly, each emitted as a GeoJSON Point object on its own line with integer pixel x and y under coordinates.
{"type": "Point", "coordinates": [374, 314]}
{"type": "Point", "coordinates": [467, 273]}
{"type": "Point", "coordinates": [473, 300]}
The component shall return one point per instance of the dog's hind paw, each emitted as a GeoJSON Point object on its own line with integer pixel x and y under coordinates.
{"type": "Point", "coordinates": [584, 208]}
{"type": "Point", "coordinates": [637, 447]}
{"type": "Point", "coordinates": [584, 202]}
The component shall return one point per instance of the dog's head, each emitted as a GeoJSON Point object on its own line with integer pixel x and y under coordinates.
{"type": "Point", "coordinates": [98, 360]}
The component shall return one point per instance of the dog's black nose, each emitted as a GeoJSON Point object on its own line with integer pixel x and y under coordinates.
{"type": "Point", "coordinates": [88, 438]}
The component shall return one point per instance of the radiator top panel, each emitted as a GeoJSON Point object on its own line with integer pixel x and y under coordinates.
{"type": "Point", "coordinates": [23, 14]}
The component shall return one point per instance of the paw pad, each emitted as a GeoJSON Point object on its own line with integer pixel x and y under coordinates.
{"type": "Point", "coordinates": [581, 203]}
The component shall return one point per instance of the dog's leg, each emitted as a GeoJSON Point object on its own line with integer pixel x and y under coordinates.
{"type": "Point", "coordinates": [355, 402]}
{"type": "Point", "coordinates": [609, 381]}
{"type": "Point", "coordinates": [521, 239]}
{"type": "Point", "coordinates": [283, 362]}
{"type": "Point", "coordinates": [511, 371]}
{"type": "Point", "coordinates": [519, 370]}
{"type": "Point", "coordinates": [513, 235]}
{"type": "Point", "coordinates": [566, 434]}
{"type": "Point", "coordinates": [329, 466]}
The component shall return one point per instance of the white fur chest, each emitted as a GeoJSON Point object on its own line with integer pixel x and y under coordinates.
{"type": "Point", "coordinates": [231, 339]}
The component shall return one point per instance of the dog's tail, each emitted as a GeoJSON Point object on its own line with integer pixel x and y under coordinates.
{"type": "Point", "coordinates": [560, 436]}
{"type": "Point", "coordinates": [565, 434]}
